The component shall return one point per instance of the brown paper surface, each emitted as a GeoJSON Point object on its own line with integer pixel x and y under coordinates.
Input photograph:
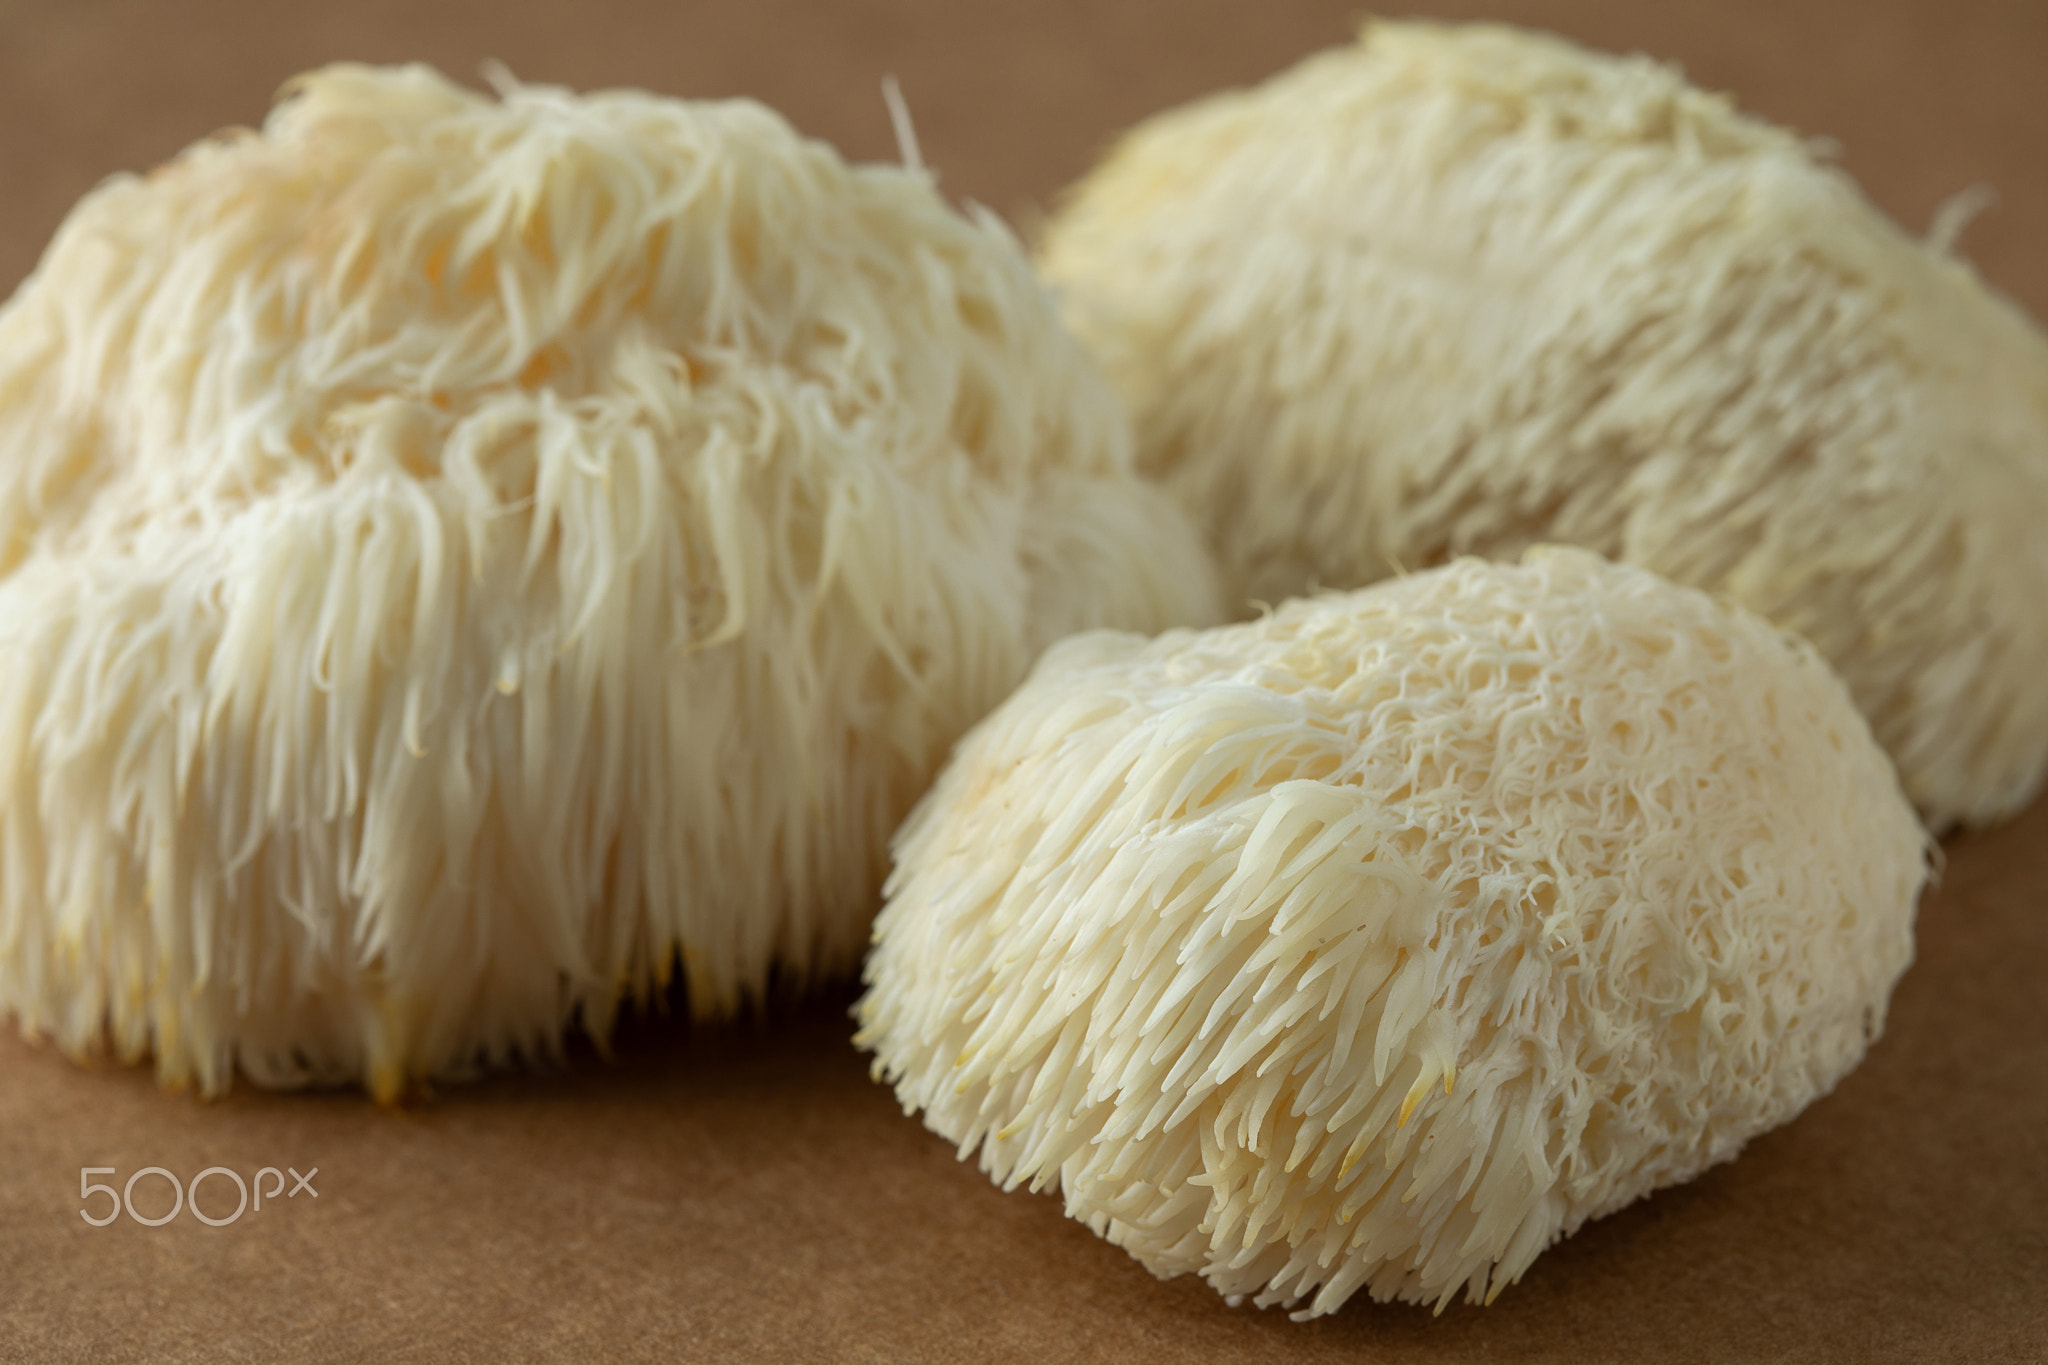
{"type": "Point", "coordinates": [745, 1192]}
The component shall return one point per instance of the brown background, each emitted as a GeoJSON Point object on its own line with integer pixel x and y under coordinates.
{"type": "Point", "coordinates": [746, 1193]}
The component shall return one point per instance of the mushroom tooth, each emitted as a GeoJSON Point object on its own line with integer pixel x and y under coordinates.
{"type": "Point", "coordinates": [464, 558]}
{"type": "Point", "coordinates": [1608, 877]}
{"type": "Point", "coordinates": [1462, 289]}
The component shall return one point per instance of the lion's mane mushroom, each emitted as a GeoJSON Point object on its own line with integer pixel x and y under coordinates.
{"type": "Point", "coordinates": [1380, 942]}
{"type": "Point", "coordinates": [459, 556]}
{"type": "Point", "coordinates": [1464, 289]}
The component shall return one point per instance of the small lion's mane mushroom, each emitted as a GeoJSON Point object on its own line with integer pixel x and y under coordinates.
{"type": "Point", "coordinates": [1463, 289]}
{"type": "Point", "coordinates": [460, 557]}
{"type": "Point", "coordinates": [1383, 941]}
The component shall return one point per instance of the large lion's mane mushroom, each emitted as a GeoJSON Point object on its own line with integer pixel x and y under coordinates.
{"type": "Point", "coordinates": [460, 555]}
{"type": "Point", "coordinates": [1459, 290]}
{"type": "Point", "coordinates": [1380, 942]}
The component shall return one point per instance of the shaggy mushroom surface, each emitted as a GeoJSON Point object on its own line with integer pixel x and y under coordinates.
{"type": "Point", "coordinates": [461, 557]}
{"type": "Point", "coordinates": [1459, 290]}
{"type": "Point", "coordinates": [1379, 943]}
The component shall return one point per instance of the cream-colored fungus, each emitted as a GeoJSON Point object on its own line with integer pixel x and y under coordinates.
{"type": "Point", "coordinates": [1378, 943]}
{"type": "Point", "coordinates": [460, 555]}
{"type": "Point", "coordinates": [1464, 289]}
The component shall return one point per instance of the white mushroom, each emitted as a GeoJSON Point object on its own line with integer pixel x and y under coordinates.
{"type": "Point", "coordinates": [458, 556]}
{"type": "Point", "coordinates": [1464, 289]}
{"type": "Point", "coordinates": [1379, 943]}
